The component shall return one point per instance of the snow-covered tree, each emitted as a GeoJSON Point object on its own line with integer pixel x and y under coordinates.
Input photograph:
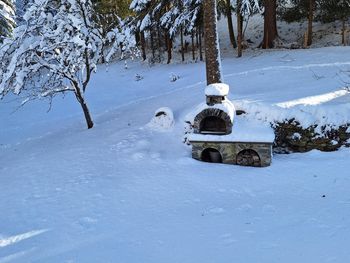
{"type": "Point", "coordinates": [249, 7]}
{"type": "Point", "coordinates": [121, 40]}
{"type": "Point", "coordinates": [7, 21]}
{"type": "Point", "coordinates": [166, 19]}
{"type": "Point", "coordinates": [55, 51]}
{"type": "Point", "coordinates": [182, 19]}
{"type": "Point", "coordinates": [112, 16]}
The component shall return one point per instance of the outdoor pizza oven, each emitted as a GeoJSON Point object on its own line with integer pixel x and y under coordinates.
{"type": "Point", "coordinates": [213, 139]}
{"type": "Point", "coordinates": [215, 118]}
{"type": "Point", "coordinates": [212, 121]}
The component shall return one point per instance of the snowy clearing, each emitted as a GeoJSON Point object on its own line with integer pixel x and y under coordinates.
{"type": "Point", "coordinates": [122, 192]}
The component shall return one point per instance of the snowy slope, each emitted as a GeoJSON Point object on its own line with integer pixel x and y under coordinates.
{"type": "Point", "coordinates": [122, 192]}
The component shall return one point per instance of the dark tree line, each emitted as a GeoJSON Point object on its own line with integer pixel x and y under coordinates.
{"type": "Point", "coordinates": [324, 11]}
{"type": "Point", "coordinates": [162, 27]}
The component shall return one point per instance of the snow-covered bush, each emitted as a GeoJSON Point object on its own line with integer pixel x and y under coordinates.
{"type": "Point", "coordinates": [303, 128]}
{"type": "Point", "coordinates": [292, 137]}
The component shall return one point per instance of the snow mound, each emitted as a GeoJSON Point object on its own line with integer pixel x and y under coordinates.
{"type": "Point", "coordinates": [217, 89]}
{"type": "Point", "coordinates": [331, 116]}
{"type": "Point", "coordinates": [163, 120]}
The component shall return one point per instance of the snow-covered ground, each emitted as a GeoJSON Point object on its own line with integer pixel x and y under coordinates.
{"type": "Point", "coordinates": [125, 192]}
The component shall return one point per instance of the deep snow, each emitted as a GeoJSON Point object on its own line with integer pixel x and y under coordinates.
{"type": "Point", "coordinates": [122, 192]}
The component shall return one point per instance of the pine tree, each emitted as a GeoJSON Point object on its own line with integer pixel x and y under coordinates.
{"type": "Point", "coordinates": [164, 20]}
{"type": "Point", "coordinates": [111, 15]}
{"type": "Point", "coordinates": [7, 21]}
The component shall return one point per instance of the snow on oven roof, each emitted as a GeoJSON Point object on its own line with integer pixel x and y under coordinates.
{"type": "Point", "coordinates": [217, 89]}
{"type": "Point", "coordinates": [226, 106]}
{"type": "Point", "coordinates": [243, 130]}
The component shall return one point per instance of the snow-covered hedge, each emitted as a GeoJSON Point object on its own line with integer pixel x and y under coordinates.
{"type": "Point", "coordinates": [303, 128]}
{"type": "Point", "coordinates": [290, 136]}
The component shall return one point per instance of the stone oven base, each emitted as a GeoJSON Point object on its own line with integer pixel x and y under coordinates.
{"type": "Point", "coordinates": [241, 153]}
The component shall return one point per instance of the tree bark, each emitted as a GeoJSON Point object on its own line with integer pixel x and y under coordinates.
{"type": "Point", "coordinates": [193, 46]}
{"type": "Point", "coordinates": [212, 49]}
{"type": "Point", "coordinates": [137, 37]}
{"type": "Point", "coordinates": [310, 20]}
{"type": "Point", "coordinates": [87, 115]}
{"type": "Point", "coordinates": [169, 43]}
{"type": "Point", "coordinates": [230, 24]}
{"type": "Point", "coordinates": [200, 43]}
{"type": "Point", "coordinates": [159, 43]}
{"type": "Point", "coordinates": [81, 100]}
{"type": "Point", "coordinates": [182, 44]}
{"type": "Point", "coordinates": [239, 28]}
{"type": "Point", "coordinates": [143, 45]}
{"type": "Point", "coordinates": [270, 24]}
{"type": "Point", "coordinates": [152, 44]}
{"type": "Point", "coordinates": [343, 32]}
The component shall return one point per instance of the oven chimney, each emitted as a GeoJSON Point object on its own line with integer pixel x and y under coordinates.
{"type": "Point", "coordinates": [216, 93]}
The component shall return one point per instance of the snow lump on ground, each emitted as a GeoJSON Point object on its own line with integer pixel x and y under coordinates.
{"type": "Point", "coordinates": [163, 120]}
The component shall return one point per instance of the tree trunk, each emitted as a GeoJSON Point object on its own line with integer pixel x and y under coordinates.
{"type": "Point", "coordinates": [103, 59]}
{"type": "Point", "coordinates": [152, 44]}
{"type": "Point", "coordinates": [159, 44]}
{"type": "Point", "coordinates": [343, 32]}
{"type": "Point", "coordinates": [182, 44]}
{"type": "Point", "coordinates": [270, 24]}
{"type": "Point", "coordinates": [310, 20]}
{"type": "Point", "coordinates": [143, 45]}
{"type": "Point", "coordinates": [81, 100]}
{"type": "Point", "coordinates": [193, 46]}
{"type": "Point", "coordinates": [87, 115]}
{"type": "Point", "coordinates": [200, 43]}
{"type": "Point", "coordinates": [212, 49]}
{"type": "Point", "coordinates": [230, 24]}
{"type": "Point", "coordinates": [169, 44]}
{"type": "Point", "coordinates": [197, 37]}
{"type": "Point", "coordinates": [137, 37]}
{"type": "Point", "coordinates": [239, 28]}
